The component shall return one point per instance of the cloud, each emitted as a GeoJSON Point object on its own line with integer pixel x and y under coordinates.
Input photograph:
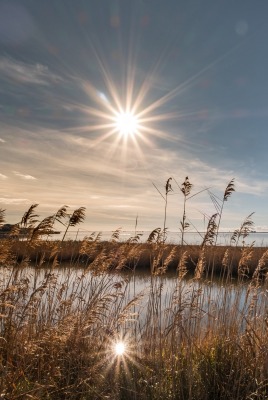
{"type": "Point", "coordinates": [3, 176]}
{"type": "Point", "coordinates": [256, 188]}
{"type": "Point", "coordinates": [116, 185]}
{"type": "Point", "coordinates": [10, 201]}
{"type": "Point", "coordinates": [263, 228]}
{"type": "Point", "coordinates": [27, 177]}
{"type": "Point", "coordinates": [27, 73]}
{"type": "Point", "coordinates": [2, 141]}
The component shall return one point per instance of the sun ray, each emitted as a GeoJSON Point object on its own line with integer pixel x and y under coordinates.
{"type": "Point", "coordinates": [146, 85]}
{"type": "Point", "coordinates": [130, 119]}
{"type": "Point", "coordinates": [108, 80]}
{"type": "Point", "coordinates": [185, 85]}
{"type": "Point", "coordinates": [135, 97]}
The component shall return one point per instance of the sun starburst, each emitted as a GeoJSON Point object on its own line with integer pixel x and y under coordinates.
{"type": "Point", "coordinates": [120, 348]}
{"type": "Point", "coordinates": [127, 117]}
{"type": "Point", "coordinates": [126, 123]}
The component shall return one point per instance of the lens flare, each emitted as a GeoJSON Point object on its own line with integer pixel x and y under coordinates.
{"type": "Point", "coordinates": [126, 123]}
{"type": "Point", "coordinates": [119, 348]}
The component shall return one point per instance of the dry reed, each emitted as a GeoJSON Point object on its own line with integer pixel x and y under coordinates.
{"type": "Point", "coordinates": [194, 340]}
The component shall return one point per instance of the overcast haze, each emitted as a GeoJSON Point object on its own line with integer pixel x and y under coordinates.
{"type": "Point", "coordinates": [194, 70]}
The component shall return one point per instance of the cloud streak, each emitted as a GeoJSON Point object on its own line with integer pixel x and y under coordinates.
{"type": "Point", "coordinates": [27, 73]}
{"type": "Point", "coordinates": [13, 201]}
{"type": "Point", "coordinates": [23, 176]}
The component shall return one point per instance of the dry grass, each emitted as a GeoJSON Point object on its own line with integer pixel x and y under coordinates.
{"type": "Point", "coordinates": [145, 256]}
{"type": "Point", "coordinates": [195, 340]}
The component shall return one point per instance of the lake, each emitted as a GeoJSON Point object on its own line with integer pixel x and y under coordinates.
{"type": "Point", "coordinates": [260, 239]}
{"type": "Point", "coordinates": [140, 293]}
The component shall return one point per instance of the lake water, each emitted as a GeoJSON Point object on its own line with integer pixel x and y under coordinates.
{"type": "Point", "coordinates": [143, 295]}
{"type": "Point", "coordinates": [260, 239]}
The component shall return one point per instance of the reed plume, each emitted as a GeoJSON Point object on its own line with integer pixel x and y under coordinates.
{"type": "Point", "coordinates": [115, 235]}
{"type": "Point", "coordinates": [244, 230]}
{"type": "Point", "coordinates": [75, 218]}
{"type": "Point", "coordinates": [201, 264]}
{"type": "Point", "coordinates": [45, 227]}
{"type": "Point", "coordinates": [61, 214]}
{"type": "Point", "coordinates": [261, 269]}
{"type": "Point", "coordinates": [211, 232]}
{"type": "Point", "coordinates": [185, 188]}
{"type": "Point", "coordinates": [230, 188]}
{"type": "Point", "coordinates": [219, 204]}
{"type": "Point", "coordinates": [182, 266]}
{"type": "Point", "coordinates": [135, 239]}
{"type": "Point", "coordinates": [168, 190]}
{"type": "Point", "coordinates": [29, 218]}
{"type": "Point", "coordinates": [154, 236]}
{"type": "Point", "coordinates": [246, 257]}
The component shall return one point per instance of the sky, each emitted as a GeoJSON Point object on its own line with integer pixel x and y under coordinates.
{"type": "Point", "coordinates": [192, 74]}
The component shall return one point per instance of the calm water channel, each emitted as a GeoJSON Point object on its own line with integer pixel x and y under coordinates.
{"type": "Point", "coordinates": [164, 293]}
{"type": "Point", "coordinates": [260, 239]}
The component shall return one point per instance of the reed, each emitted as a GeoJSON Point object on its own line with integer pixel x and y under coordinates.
{"type": "Point", "coordinates": [59, 326]}
{"type": "Point", "coordinates": [168, 190]}
{"type": "Point", "coordinates": [185, 189]}
{"type": "Point", "coordinates": [58, 332]}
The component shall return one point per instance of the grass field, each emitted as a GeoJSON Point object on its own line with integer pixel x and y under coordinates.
{"type": "Point", "coordinates": [65, 338]}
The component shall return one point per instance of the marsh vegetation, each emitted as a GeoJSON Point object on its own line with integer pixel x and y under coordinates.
{"type": "Point", "coordinates": [194, 339]}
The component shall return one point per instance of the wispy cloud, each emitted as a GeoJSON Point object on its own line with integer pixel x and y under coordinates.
{"type": "Point", "coordinates": [10, 201]}
{"type": "Point", "coordinates": [23, 176]}
{"type": "Point", "coordinates": [115, 186]}
{"type": "Point", "coordinates": [263, 228]}
{"type": "Point", "coordinates": [27, 73]}
{"type": "Point", "coordinates": [2, 141]}
{"type": "Point", "coordinates": [3, 176]}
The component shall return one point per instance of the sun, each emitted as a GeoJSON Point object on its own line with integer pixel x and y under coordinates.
{"type": "Point", "coordinates": [119, 348]}
{"type": "Point", "coordinates": [126, 123]}
{"type": "Point", "coordinates": [124, 119]}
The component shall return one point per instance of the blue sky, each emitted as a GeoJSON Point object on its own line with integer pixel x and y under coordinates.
{"type": "Point", "coordinates": [194, 71]}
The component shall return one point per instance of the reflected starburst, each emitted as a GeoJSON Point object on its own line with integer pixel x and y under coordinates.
{"type": "Point", "coordinates": [118, 354]}
{"type": "Point", "coordinates": [119, 348]}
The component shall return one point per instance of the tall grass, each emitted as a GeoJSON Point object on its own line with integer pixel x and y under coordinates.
{"type": "Point", "coordinates": [185, 188]}
{"type": "Point", "coordinates": [191, 339]}
{"type": "Point", "coordinates": [168, 190]}
{"type": "Point", "coordinates": [58, 333]}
